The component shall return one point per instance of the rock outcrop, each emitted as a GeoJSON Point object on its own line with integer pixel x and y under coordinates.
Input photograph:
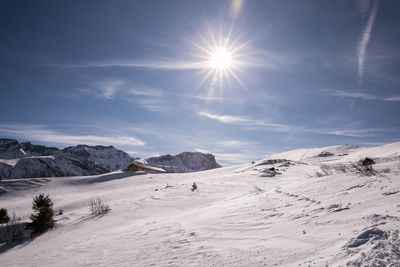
{"type": "Point", "coordinates": [12, 149]}
{"type": "Point", "coordinates": [185, 162]}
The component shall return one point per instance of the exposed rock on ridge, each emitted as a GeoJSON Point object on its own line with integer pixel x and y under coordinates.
{"type": "Point", "coordinates": [185, 162]}
{"type": "Point", "coordinates": [12, 149]}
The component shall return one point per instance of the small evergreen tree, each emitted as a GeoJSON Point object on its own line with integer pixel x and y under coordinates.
{"type": "Point", "coordinates": [4, 218]}
{"type": "Point", "coordinates": [43, 216]}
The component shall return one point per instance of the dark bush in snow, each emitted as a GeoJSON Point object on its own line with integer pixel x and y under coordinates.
{"type": "Point", "coordinates": [194, 187]}
{"type": "Point", "coordinates": [4, 218]}
{"type": "Point", "coordinates": [43, 216]}
{"type": "Point", "coordinates": [365, 166]}
{"type": "Point", "coordinates": [13, 231]}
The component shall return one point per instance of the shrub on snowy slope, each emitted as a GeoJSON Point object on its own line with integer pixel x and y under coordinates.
{"type": "Point", "coordinates": [43, 216]}
{"type": "Point", "coordinates": [97, 207]}
{"type": "Point", "coordinates": [365, 166]}
{"type": "Point", "coordinates": [4, 218]}
{"type": "Point", "coordinates": [13, 231]}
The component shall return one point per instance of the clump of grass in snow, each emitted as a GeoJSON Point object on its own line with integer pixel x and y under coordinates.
{"type": "Point", "coordinates": [97, 207]}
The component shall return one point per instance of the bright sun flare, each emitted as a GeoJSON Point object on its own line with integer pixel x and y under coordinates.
{"type": "Point", "coordinates": [221, 59]}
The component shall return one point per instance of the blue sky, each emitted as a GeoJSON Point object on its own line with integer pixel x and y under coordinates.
{"type": "Point", "coordinates": [137, 75]}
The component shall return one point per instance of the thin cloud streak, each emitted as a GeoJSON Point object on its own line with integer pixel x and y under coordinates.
{"type": "Point", "coordinates": [366, 35]}
{"type": "Point", "coordinates": [360, 133]}
{"type": "Point", "coordinates": [289, 128]}
{"type": "Point", "coordinates": [359, 95]}
{"type": "Point", "coordinates": [242, 120]}
{"type": "Point", "coordinates": [393, 98]}
{"type": "Point", "coordinates": [258, 59]}
{"type": "Point", "coordinates": [163, 65]}
{"type": "Point", "coordinates": [40, 133]}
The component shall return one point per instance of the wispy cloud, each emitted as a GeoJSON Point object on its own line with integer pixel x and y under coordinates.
{"type": "Point", "coordinates": [145, 91]}
{"type": "Point", "coordinates": [152, 104]}
{"type": "Point", "coordinates": [261, 125]}
{"type": "Point", "coordinates": [225, 118]}
{"type": "Point", "coordinates": [211, 98]}
{"type": "Point", "coordinates": [146, 97]}
{"type": "Point", "coordinates": [363, 6]}
{"type": "Point", "coordinates": [149, 98]}
{"type": "Point", "coordinates": [359, 95]}
{"type": "Point", "coordinates": [40, 133]}
{"type": "Point", "coordinates": [259, 58]}
{"type": "Point", "coordinates": [102, 90]}
{"type": "Point", "coordinates": [165, 64]}
{"type": "Point", "coordinates": [361, 133]}
{"type": "Point", "coordinates": [229, 119]}
{"type": "Point", "coordinates": [340, 93]}
{"type": "Point", "coordinates": [366, 35]}
{"type": "Point", "coordinates": [236, 143]}
{"type": "Point", "coordinates": [231, 158]}
{"type": "Point", "coordinates": [393, 98]}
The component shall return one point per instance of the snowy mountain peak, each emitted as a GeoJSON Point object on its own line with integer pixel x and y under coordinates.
{"type": "Point", "coordinates": [185, 162]}
{"type": "Point", "coordinates": [12, 149]}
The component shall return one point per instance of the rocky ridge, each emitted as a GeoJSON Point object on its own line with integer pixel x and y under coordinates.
{"type": "Point", "coordinates": [185, 162]}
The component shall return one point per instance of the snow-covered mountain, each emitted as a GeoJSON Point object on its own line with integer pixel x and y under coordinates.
{"type": "Point", "coordinates": [25, 160]}
{"type": "Point", "coordinates": [28, 161]}
{"type": "Point", "coordinates": [185, 162]}
{"type": "Point", "coordinates": [307, 207]}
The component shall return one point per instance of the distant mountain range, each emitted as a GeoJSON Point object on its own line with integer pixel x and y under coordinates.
{"type": "Point", "coordinates": [26, 160]}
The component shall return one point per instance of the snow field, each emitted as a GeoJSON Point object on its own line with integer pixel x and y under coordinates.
{"type": "Point", "coordinates": [237, 217]}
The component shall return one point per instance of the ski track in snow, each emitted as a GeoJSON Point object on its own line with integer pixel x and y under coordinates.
{"type": "Point", "coordinates": [237, 217]}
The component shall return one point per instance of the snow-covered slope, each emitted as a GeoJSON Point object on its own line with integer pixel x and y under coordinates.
{"type": "Point", "coordinates": [299, 208]}
{"type": "Point", "coordinates": [185, 162]}
{"type": "Point", "coordinates": [70, 161]}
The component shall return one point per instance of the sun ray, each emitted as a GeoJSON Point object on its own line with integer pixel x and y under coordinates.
{"type": "Point", "coordinates": [237, 79]}
{"type": "Point", "coordinates": [214, 42]}
{"type": "Point", "coordinates": [206, 77]}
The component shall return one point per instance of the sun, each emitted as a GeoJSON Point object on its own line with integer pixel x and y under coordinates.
{"type": "Point", "coordinates": [221, 59]}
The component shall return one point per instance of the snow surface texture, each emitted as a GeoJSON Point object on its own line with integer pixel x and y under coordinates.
{"type": "Point", "coordinates": [185, 162]}
{"type": "Point", "coordinates": [292, 209]}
